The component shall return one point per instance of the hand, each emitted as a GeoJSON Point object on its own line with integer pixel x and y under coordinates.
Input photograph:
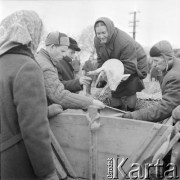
{"type": "Point", "coordinates": [98, 104]}
{"type": "Point", "coordinates": [92, 72]}
{"type": "Point", "coordinates": [84, 80]}
{"type": "Point", "coordinates": [54, 109]}
{"type": "Point", "coordinates": [127, 115]}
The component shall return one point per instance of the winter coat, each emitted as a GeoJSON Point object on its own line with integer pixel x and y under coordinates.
{"type": "Point", "coordinates": [121, 46]}
{"type": "Point", "coordinates": [55, 89]}
{"type": "Point", "coordinates": [66, 75]}
{"type": "Point", "coordinates": [176, 113]}
{"type": "Point", "coordinates": [76, 65]}
{"type": "Point", "coordinates": [89, 66]}
{"type": "Point", "coordinates": [170, 97]}
{"type": "Point", "coordinates": [25, 139]}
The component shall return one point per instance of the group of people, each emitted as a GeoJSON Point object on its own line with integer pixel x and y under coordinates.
{"type": "Point", "coordinates": [35, 86]}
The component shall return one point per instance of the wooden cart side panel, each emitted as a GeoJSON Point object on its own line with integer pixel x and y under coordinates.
{"type": "Point", "coordinates": [116, 136]}
{"type": "Point", "coordinates": [71, 131]}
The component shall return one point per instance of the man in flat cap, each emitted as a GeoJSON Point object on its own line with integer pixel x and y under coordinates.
{"type": "Point", "coordinates": [66, 72]}
{"type": "Point", "coordinates": [164, 60]}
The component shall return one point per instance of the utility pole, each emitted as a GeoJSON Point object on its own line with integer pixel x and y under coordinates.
{"type": "Point", "coordinates": [134, 22]}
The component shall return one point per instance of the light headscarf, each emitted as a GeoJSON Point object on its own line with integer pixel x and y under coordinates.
{"type": "Point", "coordinates": [22, 27]}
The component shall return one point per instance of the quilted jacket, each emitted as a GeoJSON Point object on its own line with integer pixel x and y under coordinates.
{"type": "Point", "coordinates": [55, 89]}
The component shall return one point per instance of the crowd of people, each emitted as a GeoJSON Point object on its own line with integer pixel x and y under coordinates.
{"type": "Point", "coordinates": [35, 86]}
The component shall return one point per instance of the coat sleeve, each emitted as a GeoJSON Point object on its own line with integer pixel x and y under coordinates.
{"type": "Point", "coordinates": [72, 85]}
{"type": "Point", "coordinates": [163, 110]}
{"type": "Point", "coordinates": [57, 94]}
{"type": "Point", "coordinates": [128, 56]}
{"type": "Point", "coordinates": [30, 101]}
{"type": "Point", "coordinates": [176, 113]}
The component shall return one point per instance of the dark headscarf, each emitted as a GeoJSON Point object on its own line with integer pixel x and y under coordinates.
{"type": "Point", "coordinates": [109, 24]}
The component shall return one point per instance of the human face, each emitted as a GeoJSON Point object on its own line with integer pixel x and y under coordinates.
{"type": "Point", "coordinates": [159, 63]}
{"type": "Point", "coordinates": [58, 52]}
{"type": "Point", "coordinates": [70, 53]}
{"type": "Point", "coordinates": [102, 34]}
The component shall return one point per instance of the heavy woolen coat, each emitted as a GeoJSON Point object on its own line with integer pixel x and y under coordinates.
{"type": "Point", "coordinates": [121, 46]}
{"type": "Point", "coordinates": [66, 75]}
{"type": "Point", "coordinates": [25, 140]}
{"type": "Point", "coordinates": [170, 97]}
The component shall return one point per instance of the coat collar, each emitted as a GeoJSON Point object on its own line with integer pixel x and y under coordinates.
{"type": "Point", "coordinates": [170, 66]}
{"type": "Point", "coordinates": [21, 49]}
{"type": "Point", "coordinates": [67, 59]}
{"type": "Point", "coordinates": [110, 46]}
{"type": "Point", "coordinates": [46, 54]}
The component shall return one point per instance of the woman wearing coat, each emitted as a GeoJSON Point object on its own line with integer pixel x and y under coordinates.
{"type": "Point", "coordinates": [25, 138]}
{"type": "Point", "coordinates": [112, 43]}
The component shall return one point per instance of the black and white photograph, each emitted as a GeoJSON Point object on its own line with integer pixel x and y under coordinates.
{"type": "Point", "coordinates": [90, 89]}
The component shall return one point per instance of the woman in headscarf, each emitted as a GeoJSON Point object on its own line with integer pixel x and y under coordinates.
{"type": "Point", "coordinates": [112, 43]}
{"type": "Point", "coordinates": [25, 138]}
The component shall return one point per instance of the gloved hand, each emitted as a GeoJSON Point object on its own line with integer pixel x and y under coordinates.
{"type": "Point", "coordinates": [54, 109]}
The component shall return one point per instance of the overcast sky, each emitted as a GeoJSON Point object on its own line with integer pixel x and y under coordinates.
{"type": "Point", "coordinates": [158, 19]}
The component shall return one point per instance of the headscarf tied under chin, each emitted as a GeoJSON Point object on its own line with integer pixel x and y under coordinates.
{"type": "Point", "coordinates": [22, 27]}
{"type": "Point", "coordinates": [109, 24]}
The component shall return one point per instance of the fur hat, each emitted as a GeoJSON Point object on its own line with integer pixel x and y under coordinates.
{"type": "Point", "coordinates": [73, 44]}
{"type": "Point", "coordinates": [57, 38]}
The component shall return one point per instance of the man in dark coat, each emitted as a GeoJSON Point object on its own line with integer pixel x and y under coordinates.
{"type": "Point", "coordinates": [164, 60]}
{"type": "Point", "coordinates": [66, 71]}
{"type": "Point", "coordinates": [112, 43]}
{"type": "Point", "coordinates": [26, 152]}
{"type": "Point", "coordinates": [90, 65]}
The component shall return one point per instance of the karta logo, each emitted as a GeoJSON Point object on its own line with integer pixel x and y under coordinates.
{"type": "Point", "coordinates": [138, 171]}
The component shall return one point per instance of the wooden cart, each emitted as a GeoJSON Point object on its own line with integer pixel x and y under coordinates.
{"type": "Point", "coordinates": [95, 143]}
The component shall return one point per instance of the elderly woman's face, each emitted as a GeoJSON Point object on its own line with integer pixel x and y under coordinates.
{"type": "Point", "coordinates": [159, 63]}
{"type": "Point", "coordinates": [102, 34]}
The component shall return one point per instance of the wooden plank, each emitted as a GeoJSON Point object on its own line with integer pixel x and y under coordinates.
{"type": "Point", "coordinates": [79, 160]}
{"type": "Point", "coordinates": [62, 157]}
{"type": "Point", "coordinates": [93, 117]}
{"type": "Point", "coordinates": [60, 170]}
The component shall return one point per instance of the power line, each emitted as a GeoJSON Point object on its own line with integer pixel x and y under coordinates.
{"type": "Point", "coordinates": [134, 22]}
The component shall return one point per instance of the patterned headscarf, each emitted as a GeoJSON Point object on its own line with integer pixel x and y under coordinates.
{"type": "Point", "coordinates": [22, 27]}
